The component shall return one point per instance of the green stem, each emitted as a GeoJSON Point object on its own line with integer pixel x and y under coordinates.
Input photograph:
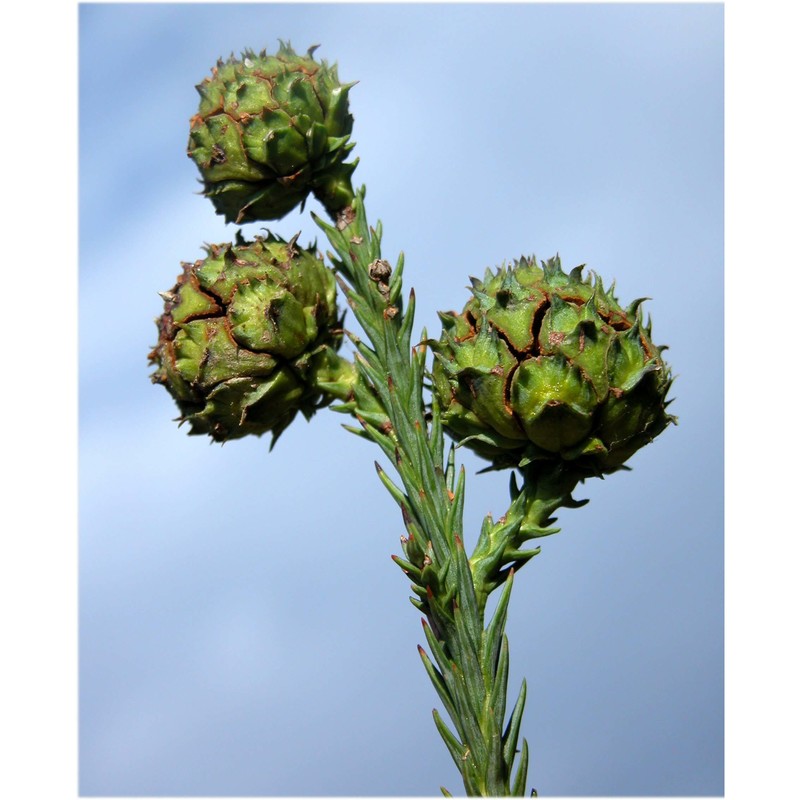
{"type": "Point", "coordinates": [468, 661]}
{"type": "Point", "coordinates": [547, 486]}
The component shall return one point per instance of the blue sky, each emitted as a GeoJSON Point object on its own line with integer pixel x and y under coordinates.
{"type": "Point", "coordinates": [242, 627]}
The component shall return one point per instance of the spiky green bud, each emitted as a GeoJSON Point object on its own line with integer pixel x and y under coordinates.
{"type": "Point", "coordinates": [246, 336]}
{"type": "Point", "coordinates": [270, 129]}
{"type": "Point", "coordinates": [545, 365]}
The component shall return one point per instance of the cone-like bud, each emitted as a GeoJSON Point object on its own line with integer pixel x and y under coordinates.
{"type": "Point", "coordinates": [545, 365]}
{"type": "Point", "coordinates": [246, 336]}
{"type": "Point", "coordinates": [270, 129]}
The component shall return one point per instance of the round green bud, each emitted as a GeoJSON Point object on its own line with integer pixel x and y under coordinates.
{"type": "Point", "coordinates": [246, 336]}
{"type": "Point", "coordinates": [270, 130]}
{"type": "Point", "coordinates": [545, 365]}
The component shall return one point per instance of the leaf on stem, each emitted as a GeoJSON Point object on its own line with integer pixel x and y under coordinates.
{"type": "Point", "coordinates": [438, 681]}
{"type": "Point", "coordinates": [497, 698]}
{"type": "Point", "coordinates": [493, 636]}
{"type": "Point", "coordinates": [511, 734]}
{"type": "Point", "coordinates": [456, 749]}
{"type": "Point", "coordinates": [399, 496]}
{"type": "Point", "coordinates": [518, 789]}
{"type": "Point", "coordinates": [465, 592]}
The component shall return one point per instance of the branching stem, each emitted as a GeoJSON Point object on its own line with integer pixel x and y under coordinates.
{"type": "Point", "coordinates": [466, 659]}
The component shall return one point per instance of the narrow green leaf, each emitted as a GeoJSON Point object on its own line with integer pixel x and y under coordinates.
{"type": "Point", "coordinates": [418, 370]}
{"type": "Point", "coordinates": [466, 595]}
{"type": "Point", "coordinates": [410, 569]}
{"type": "Point", "coordinates": [432, 479]}
{"type": "Point", "coordinates": [495, 774]}
{"type": "Point", "coordinates": [357, 431]}
{"type": "Point", "coordinates": [455, 747]}
{"type": "Point", "coordinates": [377, 419]}
{"type": "Point", "coordinates": [340, 408]}
{"type": "Point", "coordinates": [420, 486]}
{"type": "Point", "coordinates": [436, 433]}
{"type": "Point", "coordinates": [334, 237]}
{"type": "Point", "coordinates": [466, 652]}
{"type": "Point", "coordinates": [450, 473]}
{"type": "Point", "coordinates": [385, 443]}
{"type": "Point", "coordinates": [438, 682]}
{"type": "Point", "coordinates": [455, 516]}
{"type": "Point", "coordinates": [399, 497]}
{"type": "Point", "coordinates": [492, 638]}
{"type": "Point", "coordinates": [418, 604]}
{"type": "Point", "coordinates": [368, 355]}
{"type": "Point", "coordinates": [396, 281]}
{"type": "Point", "coordinates": [520, 557]}
{"type": "Point", "coordinates": [404, 334]}
{"type": "Point", "coordinates": [528, 531]}
{"type": "Point", "coordinates": [437, 649]}
{"type": "Point", "coordinates": [497, 698]}
{"type": "Point", "coordinates": [465, 719]}
{"type": "Point", "coordinates": [512, 729]}
{"type": "Point", "coordinates": [483, 544]}
{"type": "Point", "coordinates": [368, 365]}
{"type": "Point", "coordinates": [518, 789]}
{"type": "Point", "coordinates": [413, 528]}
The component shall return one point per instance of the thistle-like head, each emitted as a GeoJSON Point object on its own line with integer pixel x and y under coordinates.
{"type": "Point", "coordinates": [270, 130]}
{"type": "Point", "coordinates": [544, 365]}
{"type": "Point", "coordinates": [244, 335]}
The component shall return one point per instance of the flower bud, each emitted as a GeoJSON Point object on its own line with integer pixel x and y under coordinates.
{"type": "Point", "coordinates": [271, 129]}
{"type": "Point", "coordinates": [545, 365]}
{"type": "Point", "coordinates": [243, 335]}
